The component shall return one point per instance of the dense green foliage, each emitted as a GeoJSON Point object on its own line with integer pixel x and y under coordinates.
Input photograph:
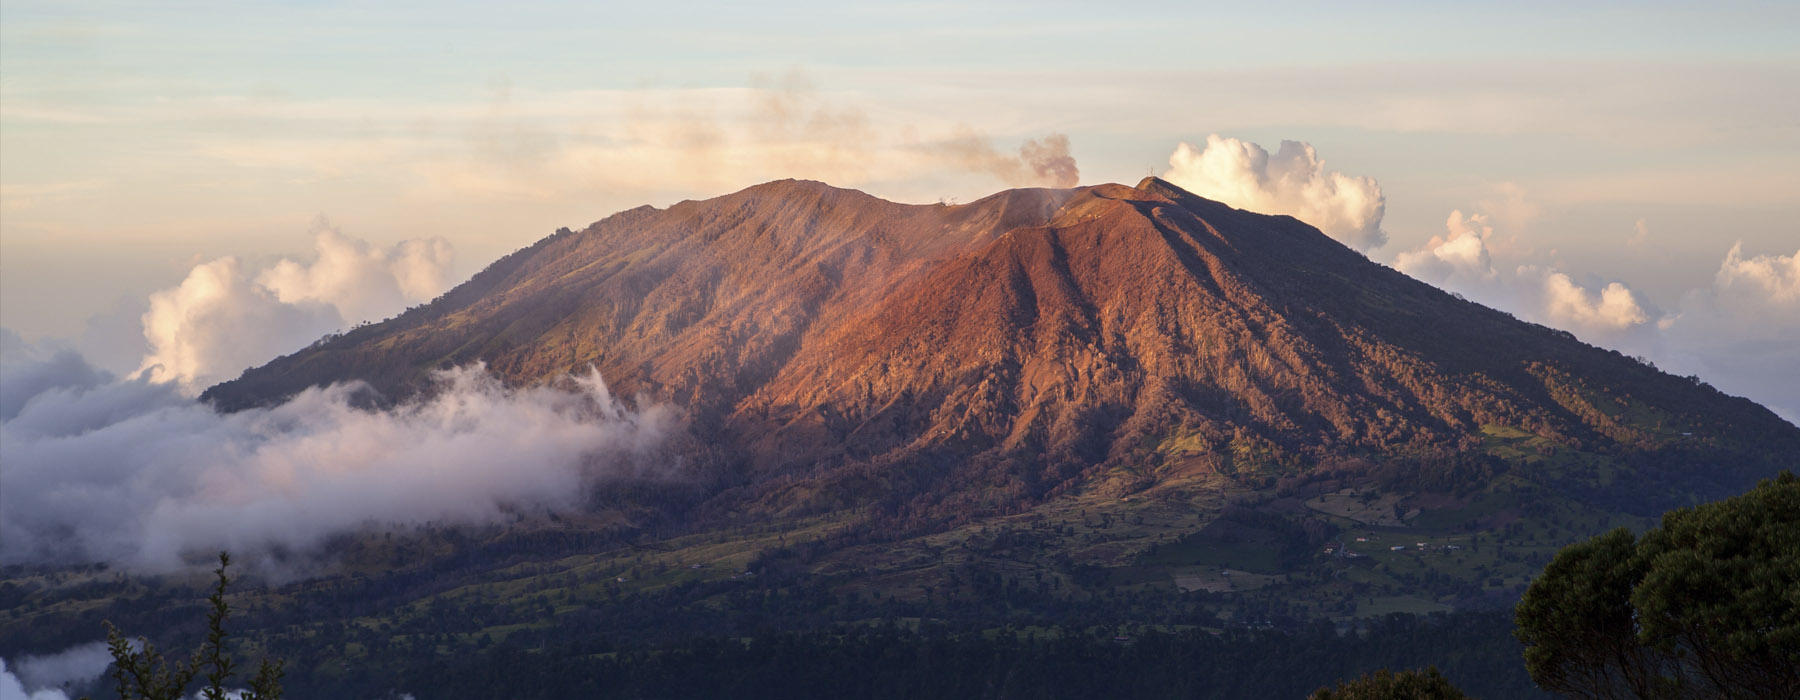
{"type": "Point", "coordinates": [1707, 604]}
{"type": "Point", "coordinates": [1387, 685]}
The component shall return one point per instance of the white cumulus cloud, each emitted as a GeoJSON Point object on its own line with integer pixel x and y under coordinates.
{"type": "Point", "coordinates": [1462, 261]}
{"type": "Point", "coordinates": [1771, 278]}
{"type": "Point", "coordinates": [361, 281]}
{"type": "Point", "coordinates": [224, 318]}
{"type": "Point", "coordinates": [1461, 254]}
{"type": "Point", "coordinates": [1292, 181]}
{"type": "Point", "coordinates": [1737, 334]}
{"type": "Point", "coordinates": [1613, 307]}
{"type": "Point", "coordinates": [219, 321]}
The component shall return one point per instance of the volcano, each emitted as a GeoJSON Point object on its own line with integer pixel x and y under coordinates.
{"type": "Point", "coordinates": [1114, 416]}
{"type": "Point", "coordinates": [834, 350]}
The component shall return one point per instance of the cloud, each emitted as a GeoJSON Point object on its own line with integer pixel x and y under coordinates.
{"type": "Point", "coordinates": [1738, 334]}
{"type": "Point", "coordinates": [27, 370]}
{"type": "Point", "coordinates": [11, 688]}
{"type": "Point", "coordinates": [133, 473]}
{"type": "Point", "coordinates": [136, 472]}
{"type": "Point", "coordinates": [783, 127]}
{"type": "Point", "coordinates": [219, 321]}
{"type": "Point", "coordinates": [48, 677]}
{"type": "Point", "coordinates": [1293, 181]}
{"type": "Point", "coordinates": [1462, 261]}
{"type": "Point", "coordinates": [1510, 207]}
{"type": "Point", "coordinates": [15, 197]}
{"type": "Point", "coordinates": [556, 147]}
{"type": "Point", "coordinates": [360, 281]}
{"type": "Point", "coordinates": [1566, 303]}
{"type": "Point", "coordinates": [1461, 254]}
{"type": "Point", "coordinates": [1771, 279]}
{"type": "Point", "coordinates": [224, 318]}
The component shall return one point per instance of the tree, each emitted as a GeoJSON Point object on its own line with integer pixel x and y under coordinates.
{"type": "Point", "coordinates": [143, 674]}
{"type": "Point", "coordinates": [1707, 604]}
{"type": "Point", "coordinates": [1387, 685]}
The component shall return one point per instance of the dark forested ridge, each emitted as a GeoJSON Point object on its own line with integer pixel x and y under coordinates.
{"type": "Point", "coordinates": [798, 639]}
{"type": "Point", "coordinates": [1102, 442]}
{"type": "Point", "coordinates": [884, 662]}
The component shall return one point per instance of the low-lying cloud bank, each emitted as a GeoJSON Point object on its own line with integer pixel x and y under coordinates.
{"type": "Point", "coordinates": [134, 473]}
{"type": "Point", "coordinates": [1292, 181]}
{"type": "Point", "coordinates": [52, 676]}
{"type": "Point", "coordinates": [225, 318]}
{"type": "Point", "coordinates": [1738, 334]}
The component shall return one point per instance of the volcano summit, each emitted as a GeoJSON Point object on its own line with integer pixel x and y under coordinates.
{"type": "Point", "coordinates": [833, 350]}
{"type": "Point", "coordinates": [1111, 408]}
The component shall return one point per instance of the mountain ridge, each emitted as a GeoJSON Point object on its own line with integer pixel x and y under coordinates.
{"type": "Point", "coordinates": [1038, 415]}
{"type": "Point", "coordinates": [1008, 346]}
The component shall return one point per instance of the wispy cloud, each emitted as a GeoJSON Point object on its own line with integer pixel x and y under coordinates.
{"type": "Point", "coordinates": [19, 197]}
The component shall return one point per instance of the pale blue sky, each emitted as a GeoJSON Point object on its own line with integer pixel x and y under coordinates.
{"type": "Point", "coordinates": [138, 139]}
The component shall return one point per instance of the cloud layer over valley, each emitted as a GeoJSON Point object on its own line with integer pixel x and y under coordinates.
{"type": "Point", "coordinates": [133, 473]}
{"type": "Point", "coordinates": [53, 676]}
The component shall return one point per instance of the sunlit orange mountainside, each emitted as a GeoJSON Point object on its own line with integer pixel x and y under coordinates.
{"type": "Point", "coordinates": [831, 350]}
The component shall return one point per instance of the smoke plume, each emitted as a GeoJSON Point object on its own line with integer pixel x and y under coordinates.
{"type": "Point", "coordinates": [781, 127]}
{"type": "Point", "coordinates": [1293, 181]}
{"type": "Point", "coordinates": [1045, 163]}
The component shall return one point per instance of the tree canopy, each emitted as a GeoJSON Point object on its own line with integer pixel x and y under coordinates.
{"type": "Point", "coordinates": [142, 673]}
{"type": "Point", "coordinates": [1707, 604]}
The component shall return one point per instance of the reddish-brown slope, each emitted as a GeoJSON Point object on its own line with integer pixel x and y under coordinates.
{"type": "Point", "coordinates": [699, 303]}
{"type": "Point", "coordinates": [984, 355]}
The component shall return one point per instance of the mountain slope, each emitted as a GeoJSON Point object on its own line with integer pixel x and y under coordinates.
{"type": "Point", "coordinates": [1047, 412]}
{"type": "Point", "coordinates": [833, 349]}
